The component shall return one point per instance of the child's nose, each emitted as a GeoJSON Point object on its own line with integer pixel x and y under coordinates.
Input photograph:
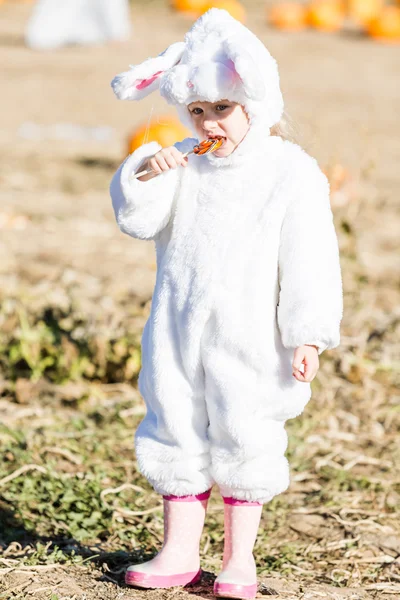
{"type": "Point", "coordinates": [209, 123]}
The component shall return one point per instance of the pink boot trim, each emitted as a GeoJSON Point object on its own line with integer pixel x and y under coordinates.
{"type": "Point", "coordinates": [235, 502]}
{"type": "Point", "coordinates": [203, 496]}
{"type": "Point", "coordinates": [233, 590]}
{"type": "Point", "coordinates": [145, 580]}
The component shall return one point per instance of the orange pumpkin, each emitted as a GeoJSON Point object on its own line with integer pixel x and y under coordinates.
{"type": "Point", "coordinates": [166, 130]}
{"type": "Point", "coordinates": [337, 176]}
{"type": "Point", "coordinates": [326, 15]}
{"type": "Point", "coordinates": [194, 7]}
{"type": "Point", "coordinates": [386, 26]}
{"type": "Point", "coordinates": [343, 184]}
{"type": "Point", "coordinates": [233, 7]}
{"type": "Point", "coordinates": [362, 11]}
{"type": "Point", "coordinates": [288, 16]}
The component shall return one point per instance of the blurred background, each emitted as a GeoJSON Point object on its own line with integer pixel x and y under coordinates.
{"type": "Point", "coordinates": [75, 294]}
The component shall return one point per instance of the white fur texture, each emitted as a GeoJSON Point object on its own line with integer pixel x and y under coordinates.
{"type": "Point", "coordinates": [124, 85]}
{"type": "Point", "coordinates": [137, 214]}
{"type": "Point", "coordinates": [220, 58]}
{"type": "Point", "coordinates": [248, 269]}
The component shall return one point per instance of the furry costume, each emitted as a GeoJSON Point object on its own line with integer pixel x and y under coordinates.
{"type": "Point", "coordinates": [247, 270]}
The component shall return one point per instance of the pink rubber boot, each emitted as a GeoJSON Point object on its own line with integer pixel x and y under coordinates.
{"type": "Point", "coordinates": [178, 562]}
{"type": "Point", "coordinates": [238, 578]}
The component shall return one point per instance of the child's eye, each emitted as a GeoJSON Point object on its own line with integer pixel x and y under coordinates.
{"type": "Point", "coordinates": [197, 111]}
{"type": "Point", "coordinates": [221, 107]}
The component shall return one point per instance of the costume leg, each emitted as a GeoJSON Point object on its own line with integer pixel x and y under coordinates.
{"type": "Point", "coordinates": [238, 577]}
{"type": "Point", "coordinates": [178, 562]}
{"type": "Point", "coordinates": [247, 470]}
{"type": "Point", "coordinates": [172, 446]}
{"type": "Point", "coordinates": [247, 445]}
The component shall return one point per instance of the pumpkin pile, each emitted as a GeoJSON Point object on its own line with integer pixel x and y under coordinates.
{"type": "Point", "coordinates": [166, 130]}
{"type": "Point", "coordinates": [377, 18]}
{"type": "Point", "coordinates": [195, 8]}
{"type": "Point", "coordinates": [385, 26]}
{"type": "Point", "coordinates": [325, 15]}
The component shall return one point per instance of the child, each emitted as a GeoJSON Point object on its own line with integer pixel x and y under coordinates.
{"type": "Point", "coordinates": [248, 293]}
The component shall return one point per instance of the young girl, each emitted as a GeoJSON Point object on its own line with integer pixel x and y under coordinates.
{"type": "Point", "coordinates": [248, 293]}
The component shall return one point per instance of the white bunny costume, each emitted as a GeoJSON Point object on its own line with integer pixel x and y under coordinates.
{"type": "Point", "coordinates": [247, 270]}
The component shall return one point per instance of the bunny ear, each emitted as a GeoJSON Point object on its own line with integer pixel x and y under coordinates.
{"type": "Point", "coordinates": [246, 67]}
{"type": "Point", "coordinates": [141, 80]}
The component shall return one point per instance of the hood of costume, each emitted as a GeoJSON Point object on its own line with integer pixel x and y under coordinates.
{"type": "Point", "coordinates": [219, 59]}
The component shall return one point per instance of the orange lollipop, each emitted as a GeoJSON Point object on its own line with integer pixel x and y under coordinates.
{"type": "Point", "coordinates": [205, 147]}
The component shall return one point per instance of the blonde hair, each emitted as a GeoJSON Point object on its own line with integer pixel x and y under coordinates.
{"type": "Point", "coordinates": [287, 129]}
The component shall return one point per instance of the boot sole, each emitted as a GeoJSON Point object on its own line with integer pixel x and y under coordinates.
{"type": "Point", "coordinates": [233, 590]}
{"type": "Point", "coordinates": [144, 580]}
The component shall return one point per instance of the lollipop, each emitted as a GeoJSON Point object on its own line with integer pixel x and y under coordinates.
{"type": "Point", "coordinates": [205, 147]}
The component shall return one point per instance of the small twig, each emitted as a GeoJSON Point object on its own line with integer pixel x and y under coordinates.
{"type": "Point", "coordinates": [342, 543]}
{"type": "Point", "coordinates": [369, 522]}
{"type": "Point", "coordinates": [21, 587]}
{"type": "Point", "coordinates": [27, 569]}
{"type": "Point", "coordinates": [109, 578]}
{"type": "Point", "coordinates": [65, 453]}
{"type": "Point", "coordinates": [384, 559]}
{"type": "Point", "coordinates": [296, 568]}
{"type": "Point", "coordinates": [136, 513]}
{"type": "Point", "coordinates": [389, 588]}
{"type": "Point", "coordinates": [47, 587]}
{"type": "Point", "coordinates": [9, 561]}
{"type": "Point", "coordinates": [125, 486]}
{"type": "Point", "coordinates": [20, 471]}
{"type": "Point", "coordinates": [206, 545]}
{"type": "Point", "coordinates": [366, 460]}
{"type": "Point", "coordinates": [134, 411]}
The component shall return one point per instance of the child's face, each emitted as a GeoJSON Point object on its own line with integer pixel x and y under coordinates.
{"type": "Point", "coordinates": [224, 119]}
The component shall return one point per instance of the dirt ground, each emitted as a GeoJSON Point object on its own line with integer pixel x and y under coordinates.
{"type": "Point", "coordinates": [57, 225]}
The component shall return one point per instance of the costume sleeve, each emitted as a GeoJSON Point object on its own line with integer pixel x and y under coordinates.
{"type": "Point", "coordinates": [143, 208]}
{"type": "Point", "coordinates": [310, 300]}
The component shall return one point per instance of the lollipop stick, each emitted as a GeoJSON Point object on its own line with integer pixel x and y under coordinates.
{"type": "Point", "coordinates": [205, 147]}
{"type": "Point", "coordinates": [148, 171]}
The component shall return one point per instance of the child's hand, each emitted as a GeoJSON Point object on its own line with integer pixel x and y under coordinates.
{"type": "Point", "coordinates": [164, 160]}
{"type": "Point", "coordinates": [308, 356]}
